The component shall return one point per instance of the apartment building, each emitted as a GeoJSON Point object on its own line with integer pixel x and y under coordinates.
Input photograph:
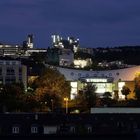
{"type": "Point", "coordinates": [12, 71]}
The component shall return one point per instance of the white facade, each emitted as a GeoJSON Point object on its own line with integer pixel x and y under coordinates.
{"type": "Point", "coordinates": [79, 63]}
{"type": "Point", "coordinates": [119, 78]}
{"type": "Point", "coordinates": [30, 43]}
{"type": "Point", "coordinates": [126, 74]}
{"type": "Point", "coordinates": [29, 52]}
{"type": "Point", "coordinates": [10, 50]}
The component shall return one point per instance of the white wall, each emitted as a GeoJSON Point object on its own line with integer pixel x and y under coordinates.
{"type": "Point", "coordinates": [127, 74]}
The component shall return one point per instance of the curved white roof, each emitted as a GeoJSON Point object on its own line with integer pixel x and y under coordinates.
{"type": "Point", "coordinates": [126, 74]}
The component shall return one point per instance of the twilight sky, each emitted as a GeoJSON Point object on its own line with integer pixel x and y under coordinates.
{"type": "Point", "coordinates": [97, 23]}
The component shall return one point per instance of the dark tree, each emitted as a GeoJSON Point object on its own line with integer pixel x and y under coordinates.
{"type": "Point", "coordinates": [51, 85]}
{"type": "Point", "coordinates": [125, 91]}
{"type": "Point", "coordinates": [90, 95]}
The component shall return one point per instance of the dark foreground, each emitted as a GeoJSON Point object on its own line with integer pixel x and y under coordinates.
{"type": "Point", "coordinates": [80, 137]}
{"type": "Point", "coordinates": [43, 126]}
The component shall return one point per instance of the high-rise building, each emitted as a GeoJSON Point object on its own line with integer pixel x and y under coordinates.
{"type": "Point", "coordinates": [30, 43]}
{"type": "Point", "coordinates": [56, 40]}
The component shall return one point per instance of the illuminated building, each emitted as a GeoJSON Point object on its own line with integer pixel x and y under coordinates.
{"type": "Point", "coordinates": [81, 63]}
{"type": "Point", "coordinates": [30, 41]}
{"type": "Point", "coordinates": [10, 50]}
{"type": "Point", "coordinates": [24, 51]}
{"type": "Point", "coordinates": [105, 80]}
{"type": "Point", "coordinates": [70, 43]}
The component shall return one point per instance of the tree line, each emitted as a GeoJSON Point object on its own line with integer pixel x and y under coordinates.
{"type": "Point", "coordinates": [47, 93]}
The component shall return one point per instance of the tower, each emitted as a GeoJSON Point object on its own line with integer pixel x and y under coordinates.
{"type": "Point", "coordinates": [30, 41]}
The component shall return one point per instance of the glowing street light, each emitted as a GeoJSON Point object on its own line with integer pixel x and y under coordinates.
{"type": "Point", "coordinates": [52, 104]}
{"type": "Point", "coordinates": [66, 99]}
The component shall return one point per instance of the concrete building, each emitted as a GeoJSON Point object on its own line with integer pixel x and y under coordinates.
{"type": "Point", "coordinates": [70, 43]}
{"type": "Point", "coordinates": [11, 50]}
{"type": "Point", "coordinates": [12, 71]}
{"type": "Point", "coordinates": [62, 57]}
{"type": "Point", "coordinates": [66, 57]}
{"type": "Point", "coordinates": [106, 80]}
{"type": "Point", "coordinates": [30, 43]}
{"type": "Point", "coordinates": [22, 51]}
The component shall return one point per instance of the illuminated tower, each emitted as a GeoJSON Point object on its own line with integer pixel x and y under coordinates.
{"type": "Point", "coordinates": [30, 41]}
{"type": "Point", "coordinates": [56, 40]}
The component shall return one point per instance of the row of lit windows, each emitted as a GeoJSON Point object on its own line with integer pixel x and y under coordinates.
{"type": "Point", "coordinates": [96, 80]}
{"type": "Point", "coordinates": [16, 130]}
{"type": "Point", "coordinates": [34, 130]}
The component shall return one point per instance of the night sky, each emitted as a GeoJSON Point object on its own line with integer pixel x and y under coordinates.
{"type": "Point", "coordinates": [97, 23]}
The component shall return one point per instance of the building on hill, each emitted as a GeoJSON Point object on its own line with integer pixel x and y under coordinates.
{"type": "Point", "coordinates": [70, 43]}
{"type": "Point", "coordinates": [12, 71]}
{"type": "Point", "coordinates": [66, 57]}
{"type": "Point", "coordinates": [62, 57]}
{"type": "Point", "coordinates": [105, 80]}
{"type": "Point", "coordinates": [20, 51]}
{"type": "Point", "coordinates": [11, 50]}
{"type": "Point", "coordinates": [87, 50]}
{"type": "Point", "coordinates": [81, 63]}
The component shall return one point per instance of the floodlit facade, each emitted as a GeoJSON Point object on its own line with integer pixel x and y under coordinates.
{"type": "Point", "coordinates": [105, 81]}
{"type": "Point", "coordinates": [30, 43]}
{"type": "Point", "coordinates": [81, 63]}
{"type": "Point", "coordinates": [10, 50]}
{"type": "Point", "coordinates": [22, 51]}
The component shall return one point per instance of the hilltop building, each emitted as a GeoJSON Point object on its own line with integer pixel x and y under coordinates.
{"type": "Point", "coordinates": [12, 71]}
{"type": "Point", "coordinates": [105, 81]}
{"type": "Point", "coordinates": [62, 52]}
{"type": "Point", "coordinates": [18, 50]}
{"type": "Point", "coordinates": [81, 63]}
{"type": "Point", "coordinates": [70, 43]}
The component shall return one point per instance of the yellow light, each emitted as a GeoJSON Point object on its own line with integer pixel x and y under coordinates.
{"type": "Point", "coordinates": [66, 100]}
{"type": "Point", "coordinates": [137, 74]}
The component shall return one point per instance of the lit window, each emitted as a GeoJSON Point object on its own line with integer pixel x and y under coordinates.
{"type": "Point", "coordinates": [89, 128]}
{"type": "Point", "coordinates": [72, 129]}
{"type": "Point", "coordinates": [15, 129]}
{"type": "Point", "coordinates": [96, 80]}
{"type": "Point", "coordinates": [34, 129]}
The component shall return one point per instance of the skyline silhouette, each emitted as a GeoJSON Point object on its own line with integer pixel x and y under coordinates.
{"type": "Point", "coordinates": [97, 23]}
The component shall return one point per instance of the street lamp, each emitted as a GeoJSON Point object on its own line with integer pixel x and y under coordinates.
{"type": "Point", "coordinates": [52, 104]}
{"type": "Point", "coordinates": [66, 103]}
